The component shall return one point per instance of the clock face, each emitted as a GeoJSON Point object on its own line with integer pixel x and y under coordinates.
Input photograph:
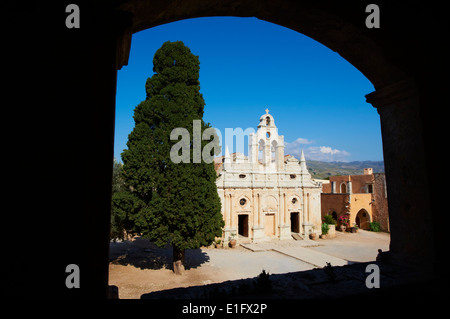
{"type": "Point", "coordinates": [242, 201]}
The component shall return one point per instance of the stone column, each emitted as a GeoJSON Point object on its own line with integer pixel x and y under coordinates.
{"type": "Point", "coordinates": [267, 154]}
{"type": "Point", "coordinates": [231, 211]}
{"type": "Point", "coordinates": [253, 150]}
{"type": "Point", "coordinates": [308, 207]}
{"type": "Point", "coordinates": [225, 207]}
{"type": "Point", "coordinates": [285, 209]}
{"type": "Point", "coordinates": [258, 230]}
{"type": "Point", "coordinates": [333, 187]}
{"type": "Point", "coordinates": [407, 183]}
{"type": "Point", "coordinates": [285, 229]}
{"type": "Point", "coordinates": [255, 209]}
{"type": "Point", "coordinates": [280, 153]}
{"type": "Point", "coordinates": [229, 220]}
{"type": "Point", "coordinates": [259, 210]}
{"type": "Point", "coordinates": [306, 224]}
{"type": "Point", "coordinates": [280, 208]}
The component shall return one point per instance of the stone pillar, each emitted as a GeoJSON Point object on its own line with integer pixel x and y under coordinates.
{"type": "Point", "coordinates": [231, 211]}
{"type": "Point", "coordinates": [333, 187]}
{"type": "Point", "coordinates": [280, 153]}
{"type": "Point", "coordinates": [253, 150]}
{"type": "Point", "coordinates": [285, 209]}
{"type": "Point", "coordinates": [255, 209]}
{"type": "Point", "coordinates": [285, 229]}
{"type": "Point", "coordinates": [89, 68]}
{"type": "Point", "coordinates": [258, 229]}
{"type": "Point", "coordinates": [267, 154]}
{"type": "Point", "coordinates": [407, 183]}
{"type": "Point", "coordinates": [308, 207]}
{"type": "Point", "coordinates": [259, 210]}
{"type": "Point", "coordinates": [305, 220]}
{"type": "Point", "coordinates": [225, 207]}
{"type": "Point", "coordinates": [229, 229]}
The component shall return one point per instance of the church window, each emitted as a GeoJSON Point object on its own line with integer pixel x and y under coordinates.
{"type": "Point", "coordinates": [267, 121]}
{"type": "Point", "coordinates": [268, 134]}
{"type": "Point", "coordinates": [294, 200]}
{"type": "Point", "coordinates": [241, 175]}
{"type": "Point", "coordinates": [292, 176]}
{"type": "Point", "coordinates": [242, 201]}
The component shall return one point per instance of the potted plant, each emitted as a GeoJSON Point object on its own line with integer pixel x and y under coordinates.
{"type": "Point", "coordinates": [344, 221]}
{"type": "Point", "coordinates": [232, 240]}
{"type": "Point", "coordinates": [331, 222]}
{"type": "Point", "coordinates": [328, 219]}
{"type": "Point", "coordinates": [354, 229]}
{"type": "Point", "coordinates": [217, 243]}
{"type": "Point", "coordinates": [313, 235]}
{"type": "Point", "coordinates": [325, 229]}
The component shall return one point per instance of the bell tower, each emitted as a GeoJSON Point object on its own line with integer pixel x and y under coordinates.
{"type": "Point", "coordinates": [270, 145]}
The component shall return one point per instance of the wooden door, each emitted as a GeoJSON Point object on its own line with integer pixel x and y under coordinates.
{"type": "Point", "coordinates": [269, 225]}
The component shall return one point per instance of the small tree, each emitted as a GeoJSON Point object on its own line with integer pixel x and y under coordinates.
{"type": "Point", "coordinates": [174, 203]}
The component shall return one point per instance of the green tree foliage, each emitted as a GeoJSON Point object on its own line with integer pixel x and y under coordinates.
{"type": "Point", "coordinates": [122, 205]}
{"type": "Point", "coordinates": [169, 202]}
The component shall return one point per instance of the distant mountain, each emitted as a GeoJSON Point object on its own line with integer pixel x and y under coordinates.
{"type": "Point", "coordinates": [323, 170]}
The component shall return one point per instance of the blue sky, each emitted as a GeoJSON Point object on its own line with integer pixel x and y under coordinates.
{"type": "Point", "coordinates": [247, 65]}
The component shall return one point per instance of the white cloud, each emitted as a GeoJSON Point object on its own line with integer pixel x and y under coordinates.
{"type": "Point", "coordinates": [294, 148]}
{"type": "Point", "coordinates": [301, 141]}
{"type": "Point", "coordinates": [317, 153]}
{"type": "Point", "coordinates": [326, 153]}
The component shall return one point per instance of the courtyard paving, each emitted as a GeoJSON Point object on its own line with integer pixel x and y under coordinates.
{"type": "Point", "coordinates": [139, 267]}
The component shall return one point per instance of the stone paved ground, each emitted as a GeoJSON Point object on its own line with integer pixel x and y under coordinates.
{"type": "Point", "coordinates": [139, 267]}
{"type": "Point", "coordinates": [360, 247]}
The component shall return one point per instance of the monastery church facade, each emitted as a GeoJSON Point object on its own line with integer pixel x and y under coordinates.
{"type": "Point", "coordinates": [267, 194]}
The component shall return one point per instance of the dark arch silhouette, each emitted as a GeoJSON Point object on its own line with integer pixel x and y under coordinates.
{"type": "Point", "coordinates": [404, 60]}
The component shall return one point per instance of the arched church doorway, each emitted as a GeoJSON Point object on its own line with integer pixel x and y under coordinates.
{"type": "Point", "coordinates": [362, 219]}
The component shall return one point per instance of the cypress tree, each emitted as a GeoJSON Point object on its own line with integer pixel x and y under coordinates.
{"type": "Point", "coordinates": [174, 203]}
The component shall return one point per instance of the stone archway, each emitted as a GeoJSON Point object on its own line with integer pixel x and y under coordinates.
{"type": "Point", "coordinates": [403, 59]}
{"type": "Point", "coordinates": [340, 28]}
{"type": "Point", "coordinates": [362, 219]}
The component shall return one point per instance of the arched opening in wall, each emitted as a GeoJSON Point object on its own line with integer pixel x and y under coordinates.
{"type": "Point", "coordinates": [273, 151]}
{"type": "Point", "coordinates": [334, 215]}
{"type": "Point", "coordinates": [362, 219]}
{"type": "Point", "coordinates": [261, 151]}
{"type": "Point", "coordinates": [343, 188]}
{"type": "Point", "coordinates": [298, 105]}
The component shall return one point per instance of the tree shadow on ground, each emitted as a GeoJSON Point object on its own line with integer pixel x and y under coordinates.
{"type": "Point", "coordinates": [142, 253]}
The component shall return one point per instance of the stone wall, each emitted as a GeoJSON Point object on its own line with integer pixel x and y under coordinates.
{"type": "Point", "coordinates": [380, 205]}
